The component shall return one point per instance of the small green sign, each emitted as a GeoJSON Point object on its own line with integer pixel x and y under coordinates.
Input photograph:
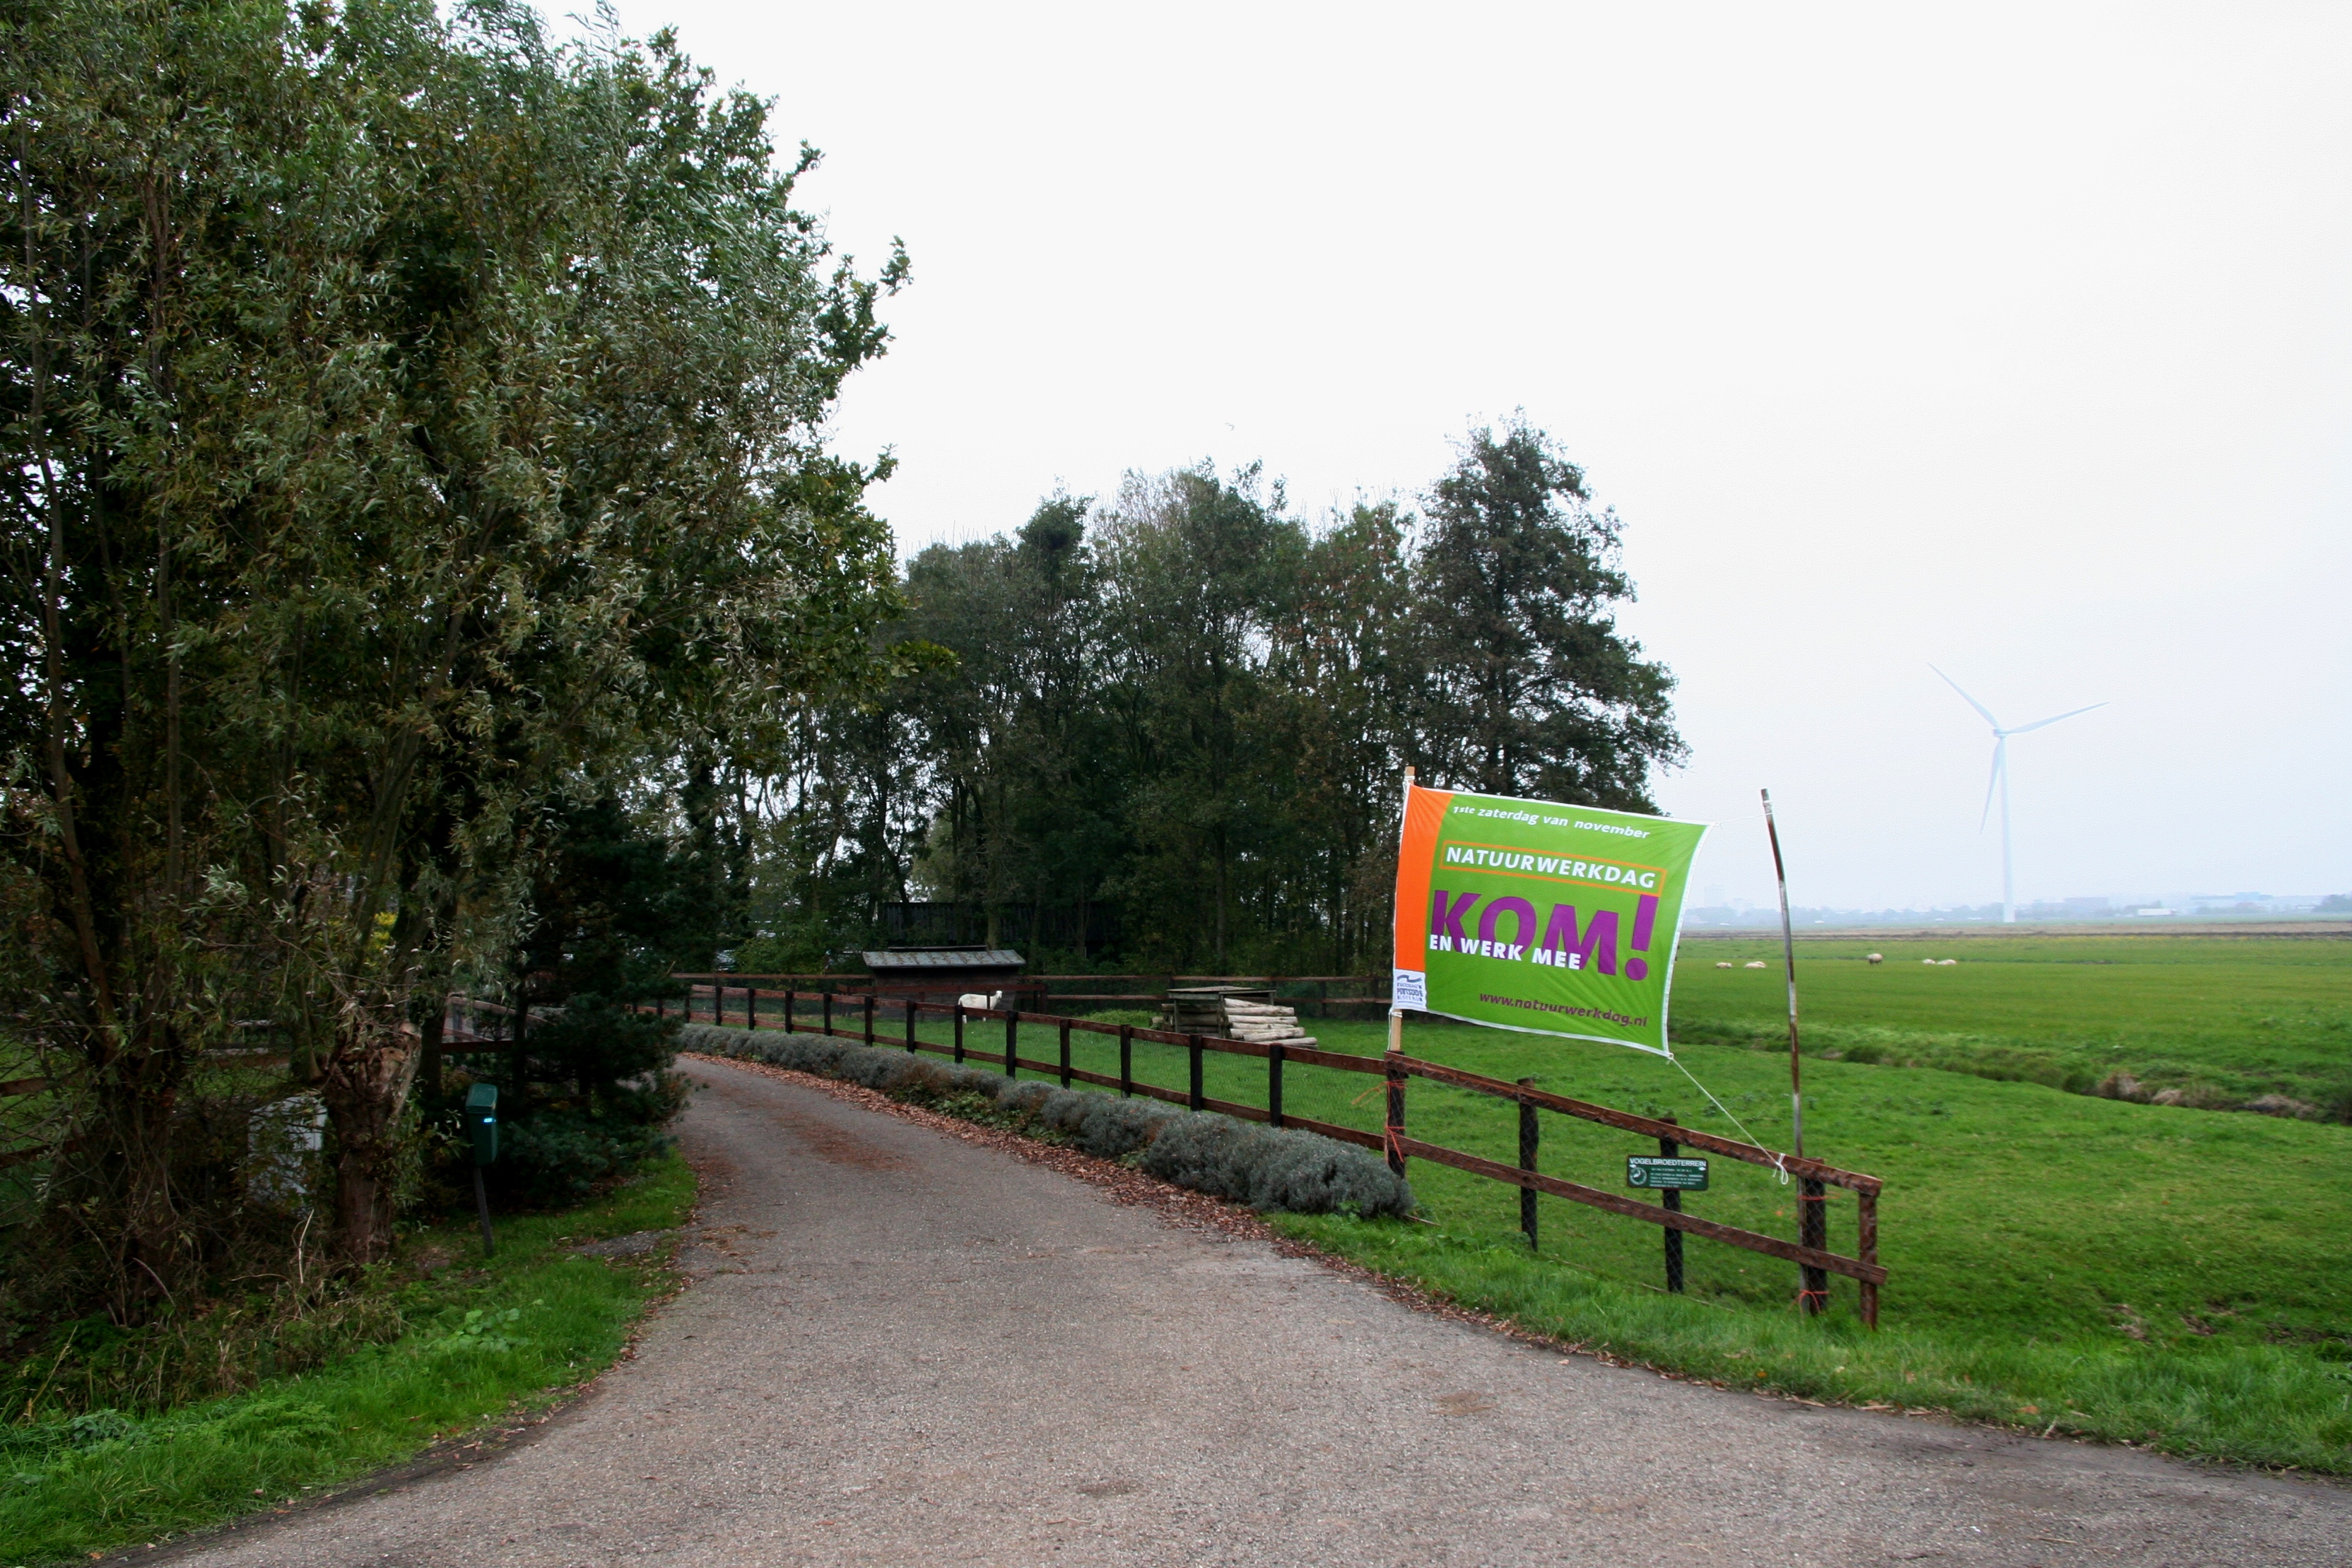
{"type": "Point", "coordinates": [1657, 1171]}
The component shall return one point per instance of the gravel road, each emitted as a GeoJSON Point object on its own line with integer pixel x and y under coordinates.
{"type": "Point", "coordinates": [901, 1347]}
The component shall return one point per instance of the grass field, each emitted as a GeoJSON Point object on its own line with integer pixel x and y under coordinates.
{"type": "Point", "coordinates": [2149, 1273]}
{"type": "Point", "coordinates": [2223, 1019]}
{"type": "Point", "coordinates": [487, 1341]}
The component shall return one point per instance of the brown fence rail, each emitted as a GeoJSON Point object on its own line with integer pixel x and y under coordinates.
{"type": "Point", "coordinates": [26, 1154]}
{"type": "Point", "coordinates": [869, 1009]}
{"type": "Point", "coordinates": [1314, 996]}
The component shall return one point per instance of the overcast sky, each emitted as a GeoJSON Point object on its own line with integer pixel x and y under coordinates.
{"type": "Point", "coordinates": [2018, 340]}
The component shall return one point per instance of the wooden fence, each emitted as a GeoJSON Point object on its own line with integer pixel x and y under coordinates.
{"type": "Point", "coordinates": [871, 1010]}
{"type": "Point", "coordinates": [1314, 996]}
{"type": "Point", "coordinates": [26, 1154]}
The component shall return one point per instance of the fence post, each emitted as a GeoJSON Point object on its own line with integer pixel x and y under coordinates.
{"type": "Point", "coordinates": [752, 1007]}
{"type": "Point", "coordinates": [1813, 1230]}
{"type": "Point", "coordinates": [870, 1017]}
{"type": "Point", "coordinates": [1865, 1247]}
{"type": "Point", "coordinates": [1126, 1060]}
{"type": "Point", "coordinates": [1395, 1128]}
{"type": "Point", "coordinates": [1200, 1100]}
{"type": "Point", "coordinates": [1011, 1040]}
{"type": "Point", "coordinates": [910, 1026]}
{"type": "Point", "coordinates": [1673, 1200]}
{"type": "Point", "coordinates": [1529, 1136]}
{"type": "Point", "coordinates": [660, 1009]}
{"type": "Point", "coordinates": [1066, 1053]}
{"type": "Point", "coordinates": [1274, 1084]}
{"type": "Point", "coordinates": [958, 1032]}
{"type": "Point", "coordinates": [789, 996]}
{"type": "Point", "coordinates": [824, 999]}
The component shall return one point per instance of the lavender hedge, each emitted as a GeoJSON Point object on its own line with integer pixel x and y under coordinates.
{"type": "Point", "coordinates": [1265, 1168]}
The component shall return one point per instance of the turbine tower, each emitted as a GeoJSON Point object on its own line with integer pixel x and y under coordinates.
{"type": "Point", "coordinates": [2000, 781]}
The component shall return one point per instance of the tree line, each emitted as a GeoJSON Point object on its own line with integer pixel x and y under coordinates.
{"type": "Point", "coordinates": [1178, 717]}
{"type": "Point", "coordinates": [423, 566]}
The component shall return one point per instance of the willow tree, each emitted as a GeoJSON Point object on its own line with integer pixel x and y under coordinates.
{"type": "Point", "coordinates": [409, 418]}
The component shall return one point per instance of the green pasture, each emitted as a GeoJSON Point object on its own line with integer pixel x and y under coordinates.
{"type": "Point", "coordinates": [485, 1341]}
{"type": "Point", "coordinates": [2150, 1273]}
{"type": "Point", "coordinates": [2222, 1020]}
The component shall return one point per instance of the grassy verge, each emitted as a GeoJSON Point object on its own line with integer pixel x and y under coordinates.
{"type": "Point", "coordinates": [2160, 1275]}
{"type": "Point", "coordinates": [486, 1339]}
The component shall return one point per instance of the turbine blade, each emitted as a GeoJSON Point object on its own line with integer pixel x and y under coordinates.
{"type": "Point", "coordinates": [1993, 781]}
{"type": "Point", "coordinates": [2042, 723]}
{"type": "Point", "coordinates": [1969, 700]}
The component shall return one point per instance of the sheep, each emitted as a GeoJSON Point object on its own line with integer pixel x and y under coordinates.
{"type": "Point", "coordinates": [1877, 957]}
{"type": "Point", "coordinates": [1725, 965]}
{"type": "Point", "coordinates": [1947, 963]}
{"type": "Point", "coordinates": [1929, 962]}
{"type": "Point", "coordinates": [975, 999]}
{"type": "Point", "coordinates": [1757, 964]}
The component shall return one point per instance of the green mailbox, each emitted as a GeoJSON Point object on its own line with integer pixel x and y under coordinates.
{"type": "Point", "coordinates": [482, 1122]}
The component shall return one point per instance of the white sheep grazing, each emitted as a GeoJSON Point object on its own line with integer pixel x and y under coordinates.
{"type": "Point", "coordinates": [1929, 962]}
{"type": "Point", "coordinates": [1946, 963]}
{"type": "Point", "coordinates": [975, 1000]}
{"type": "Point", "coordinates": [1878, 958]}
{"type": "Point", "coordinates": [1757, 964]}
{"type": "Point", "coordinates": [1723, 966]}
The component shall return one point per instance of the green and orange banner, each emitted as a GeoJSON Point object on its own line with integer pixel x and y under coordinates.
{"type": "Point", "coordinates": [1532, 916]}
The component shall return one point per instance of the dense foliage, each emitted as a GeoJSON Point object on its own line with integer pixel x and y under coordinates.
{"type": "Point", "coordinates": [413, 425]}
{"type": "Point", "coordinates": [1174, 725]}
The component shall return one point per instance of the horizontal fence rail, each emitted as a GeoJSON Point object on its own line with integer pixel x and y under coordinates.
{"type": "Point", "coordinates": [1313, 995]}
{"type": "Point", "coordinates": [17, 1087]}
{"type": "Point", "coordinates": [871, 1009]}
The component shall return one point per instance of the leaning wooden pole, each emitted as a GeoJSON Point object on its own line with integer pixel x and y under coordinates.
{"type": "Point", "coordinates": [1813, 1221]}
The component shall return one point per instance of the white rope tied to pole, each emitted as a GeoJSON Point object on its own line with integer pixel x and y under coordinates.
{"type": "Point", "coordinates": [1779, 1163]}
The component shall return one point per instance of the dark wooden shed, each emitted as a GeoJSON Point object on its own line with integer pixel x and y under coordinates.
{"type": "Point", "coordinates": [943, 974]}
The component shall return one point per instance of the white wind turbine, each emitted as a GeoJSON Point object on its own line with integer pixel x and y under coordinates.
{"type": "Point", "coordinates": [2000, 781]}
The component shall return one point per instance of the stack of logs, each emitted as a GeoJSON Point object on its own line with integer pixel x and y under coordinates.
{"type": "Point", "coordinates": [1263, 1023]}
{"type": "Point", "coordinates": [1232, 1012]}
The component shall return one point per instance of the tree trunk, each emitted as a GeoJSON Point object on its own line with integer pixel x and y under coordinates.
{"type": "Point", "coordinates": [136, 1110]}
{"type": "Point", "coordinates": [366, 1089]}
{"type": "Point", "coordinates": [1221, 903]}
{"type": "Point", "coordinates": [436, 1021]}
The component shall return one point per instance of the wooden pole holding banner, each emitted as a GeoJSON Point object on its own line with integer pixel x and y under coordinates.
{"type": "Point", "coordinates": [1395, 1128]}
{"type": "Point", "coordinates": [1812, 1222]}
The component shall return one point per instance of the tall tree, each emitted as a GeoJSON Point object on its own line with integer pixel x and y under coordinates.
{"type": "Point", "coordinates": [1349, 666]}
{"type": "Point", "coordinates": [1530, 688]}
{"type": "Point", "coordinates": [1196, 571]}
